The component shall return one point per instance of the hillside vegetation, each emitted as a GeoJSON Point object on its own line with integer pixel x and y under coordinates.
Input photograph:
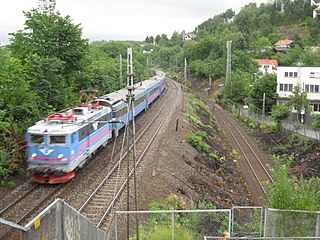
{"type": "Point", "coordinates": [48, 62]}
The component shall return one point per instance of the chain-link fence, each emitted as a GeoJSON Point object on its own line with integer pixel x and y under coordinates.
{"type": "Point", "coordinates": [60, 221]}
{"type": "Point", "coordinates": [241, 222]}
{"type": "Point", "coordinates": [306, 130]}
{"type": "Point", "coordinates": [193, 224]}
{"type": "Point", "coordinates": [262, 238]}
{"type": "Point", "coordinates": [289, 223]}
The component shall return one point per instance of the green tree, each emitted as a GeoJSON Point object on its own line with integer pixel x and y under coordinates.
{"type": "Point", "coordinates": [176, 39]}
{"type": "Point", "coordinates": [267, 85]}
{"type": "Point", "coordinates": [50, 36]}
{"type": "Point", "coordinates": [300, 103]}
{"type": "Point", "coordinates": [53, 48]}
{"type": "Point", "coordinates": [19, 107]}
{"type": "Point", "coordinates": [279, 114]}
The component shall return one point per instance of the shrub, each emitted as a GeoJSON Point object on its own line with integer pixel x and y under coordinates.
{"type": "Point", "coordinates": [195, 140]}
{"type": "Point", "coordinates": [5, 170]}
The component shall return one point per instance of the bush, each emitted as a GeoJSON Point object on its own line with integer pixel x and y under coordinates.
{"type": "Point", "coordinates": [195, 140]}
{"type": "Point", "coordinates": [5, 170]}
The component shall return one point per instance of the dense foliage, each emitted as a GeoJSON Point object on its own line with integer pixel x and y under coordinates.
{"type": "Point", "coordinates": [253, 32]}
{"type": "Point", "coordinates": [48, 62]}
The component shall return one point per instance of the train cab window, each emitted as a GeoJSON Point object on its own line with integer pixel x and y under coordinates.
{"type": "Point", "coordinates": [74, 137]}
{"type": "Point", "coordinates": [36, 139]}
{"type": "Point", "coordinates": [58, 139]}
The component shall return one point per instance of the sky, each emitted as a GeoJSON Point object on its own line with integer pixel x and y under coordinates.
{"type": "Point", "coordinates": [122, 19]}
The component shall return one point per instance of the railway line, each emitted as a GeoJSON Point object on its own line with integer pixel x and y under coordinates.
{"type": "Point", "coordinates": [100, 204]}
{"type": "Point", "coordinates": [253, 163]}
{"type": "Point", "coordinates": [22, 207]}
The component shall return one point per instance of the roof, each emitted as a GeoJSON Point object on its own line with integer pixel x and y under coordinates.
{"type": "Point", "coordinates": [283, 42]}
{"type": "Point", "coordinates": [267, 61]}
{"type": "Point", "coordinates": [316, 9]}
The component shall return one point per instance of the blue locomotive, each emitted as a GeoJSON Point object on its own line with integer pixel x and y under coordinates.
{"type": "Point", "coordinates": [64, 140]}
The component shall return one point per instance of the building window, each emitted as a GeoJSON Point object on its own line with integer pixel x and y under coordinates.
{"type": "Point", "coordinates": [281, 86]}
{"type": "Point", "coordinates": [312, 88]}
{"type": "Point", "coordinates": [306, 88]}
{"type": "Point", "coordinates": [286, 87]}
{"type": "Point", "coordinates": [291, 74]}
{"type": "Point", "coordinates": [316, 107]}
{"type": "Point", "coordinates": [311, 74]}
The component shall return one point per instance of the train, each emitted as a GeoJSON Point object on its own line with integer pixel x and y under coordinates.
{"type": "Point", "coordinates": [63, 141]}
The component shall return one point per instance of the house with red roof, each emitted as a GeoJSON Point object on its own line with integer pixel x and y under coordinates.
{"type": "Point", "coordinates": [315, 2]}
{"type": "Point", "coordinates": [283, 45]}
{"type": "Point", "coordinates": [267, 65]}
{"type": "Point", "coordinates": [316, 12]}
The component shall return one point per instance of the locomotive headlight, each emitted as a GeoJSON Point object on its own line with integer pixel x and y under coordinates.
{"type": "Point", "coordinates": [60, 156]}
{"type": "Point", "coordinates": [33, 155]}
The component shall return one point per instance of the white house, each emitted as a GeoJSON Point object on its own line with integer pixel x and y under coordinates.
{"type": "Point", "coordinates": [267, 65]}
{"type": "Point", "coordinates": [316, 12]}
{"type": "Point", "coordinates": [189, 37]}
{"type": "Point", "coordinates": [308, 78]}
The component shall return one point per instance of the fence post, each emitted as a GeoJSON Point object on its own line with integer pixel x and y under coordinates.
{"type": "Point", "coordinates": [265, 222]}
{"type": "Point", "coordinates": [172, 223]}
{"type": "Point", "coordinates": [318, 225]}
{"type": "Point", "coordinates": [116, 225]}
{"type": "Point", "coordinates": [59, 220]}
{"type": "Point", "coordinates": [261, 222]}
{"type": "Point", "coordinates": [230, 215]}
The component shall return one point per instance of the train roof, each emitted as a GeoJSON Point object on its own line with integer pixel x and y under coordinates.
{"type": "Point", "coordinates": [119, 97]}
{"type": "Point", "coordinates": [68, 121]}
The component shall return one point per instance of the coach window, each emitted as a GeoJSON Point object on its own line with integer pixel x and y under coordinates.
{"type": "Point", "coordinates": [36, 139]}
{"type": "Point", "coordinates": [58, 140]}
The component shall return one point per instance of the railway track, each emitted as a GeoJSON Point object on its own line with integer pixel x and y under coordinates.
{"type": "Point", "coordinates": [35, 197]}
{"type": "Point", "coordinates": [252, 162]}
{"type": "Point", "coordinates": [101, 203]}
{"type": "Point", "coordinates": [24, 206]}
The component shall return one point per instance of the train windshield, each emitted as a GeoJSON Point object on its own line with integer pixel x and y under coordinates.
{"type": "Point", "coordinates": [58, 140]}
{"type": "Point", "coordinates": [37, 139]}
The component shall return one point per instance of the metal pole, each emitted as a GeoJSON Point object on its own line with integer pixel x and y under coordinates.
{"type": "Point", "coordinates": [263, 106]}
{"type": "Point", "coordinates": [172, 225]}
{"type": "Point", "coordinates": [130, 99]}
{"type": "Point", "coordinates": [129, 87]}
{"type": "Point", "coordinates": [185, 73]}
{"type": "Point", "coordinates": [120, 77]}
{"type": "Point", "coordinates": [228, 73]}
{"type": "Point", "coordinates": [185, 85]}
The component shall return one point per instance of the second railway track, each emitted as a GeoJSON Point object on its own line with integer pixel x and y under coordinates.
{"type": "Point", "coordinates": [252, 162]}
